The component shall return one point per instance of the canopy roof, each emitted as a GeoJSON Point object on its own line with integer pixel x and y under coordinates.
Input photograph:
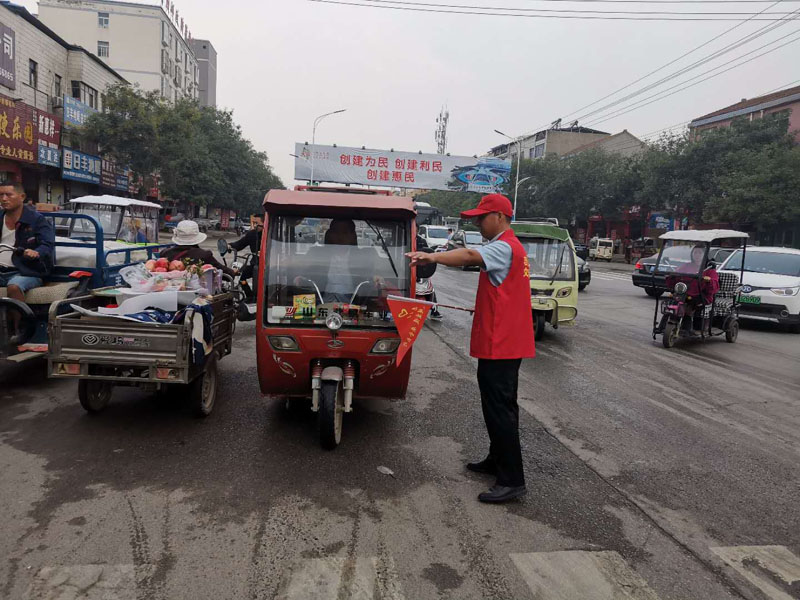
{"type": "Point", "coordinates": [114, 201]}
{"type": "Point", "coordinates": [338, 203]}
{"type": "Point", "coordinates": [703, 235]}
{"type": "Point", "coordinates": [540, 230]}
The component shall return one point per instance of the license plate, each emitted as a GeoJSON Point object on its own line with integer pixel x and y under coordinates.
{"type": "Point", "coordinates": [750, 299]}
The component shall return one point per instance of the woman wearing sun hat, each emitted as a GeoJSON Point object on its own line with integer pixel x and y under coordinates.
{"type": "Point", "coordinates": [187, 239]}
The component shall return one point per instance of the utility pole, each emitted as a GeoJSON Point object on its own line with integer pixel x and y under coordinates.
{"type": "Point", "coordinates": [441, 130]}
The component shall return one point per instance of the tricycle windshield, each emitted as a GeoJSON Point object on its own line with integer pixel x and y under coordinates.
{"type": "Point", "coordinates": [473, 237]}
{"type": "Point", "coordinates": [316, 266]}
{"type": "Point", "coordinates": [683, 257]}
{"type": "Point", "coordinates": [140, 225]}
{"type": "Point", "coordinates": [550, 259]}
{"type": "Point", "coordinates": [109, 218]}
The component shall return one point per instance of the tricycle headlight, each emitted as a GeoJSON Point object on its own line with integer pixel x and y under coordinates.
{"type": "Point", "coordinates": [283, 343]}
{"type": "Point", "coordinates": [563, 292]}
{"type": "Point", "coordinates": [681, 288]}
{"type": "Point", "coordinates": [788, 291]}
{"type": "Point", "coordinates": [334, 322]}
{"type": "Point", "coordinates": [385, 346]}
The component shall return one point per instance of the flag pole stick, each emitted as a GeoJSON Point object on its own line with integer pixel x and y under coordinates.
{"type": "Point", "coordinates": [403, 298]}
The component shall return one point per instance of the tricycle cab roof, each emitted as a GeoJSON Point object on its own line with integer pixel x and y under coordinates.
{"type": "Point", "coordinates": [703, 236]}
{"type": "Point", "coordinates": [539, 230]}
{"type": "Point", "coordinates": [109, 200]}
{"type": "Point", "coordinates": [316, 203]}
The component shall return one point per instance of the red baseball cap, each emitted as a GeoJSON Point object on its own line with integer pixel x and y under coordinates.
{"type": "Point", "coordinates": [489, 204]}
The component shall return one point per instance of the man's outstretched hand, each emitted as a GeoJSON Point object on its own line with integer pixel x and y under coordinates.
{"type": "Point", "coordinates": [423, 258]}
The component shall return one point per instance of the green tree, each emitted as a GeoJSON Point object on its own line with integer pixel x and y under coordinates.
{"type": "Point", "coordinates": [199, 154]}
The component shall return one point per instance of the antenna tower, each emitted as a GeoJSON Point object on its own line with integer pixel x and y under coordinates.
{"type": "Point", "coordinates": [441, 130]}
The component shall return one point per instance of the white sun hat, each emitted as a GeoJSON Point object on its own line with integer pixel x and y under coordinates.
{"type": "Point", "coordinates": [187, 233]}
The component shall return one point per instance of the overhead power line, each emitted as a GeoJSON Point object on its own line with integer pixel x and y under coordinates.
{"type": "Point", "coordinates": [664, 66]}
{"type": "Point", "coordinates": [563, 10]}
{"type": "Point", "coordinates": [633, 107]}
{"type": "Point", "coordinates": [713, 56]}
{"type": "Point", "coordinates": [489, 12]}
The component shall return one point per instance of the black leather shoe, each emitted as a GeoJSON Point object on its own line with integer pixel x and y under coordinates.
{"type": "Point", "coordinates": [486, 466]}
{"type": "Point", "coordinates": [501, 493]}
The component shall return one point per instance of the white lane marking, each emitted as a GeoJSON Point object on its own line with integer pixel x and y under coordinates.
{"type": "Point", "coordinates": [577, 574]}
{"type": "Point", "coordinates": [775, 570]}
{"type": "Point", "coordinates": [87, 582]}
{"type": "Point", "coordinates": [334, 577]}
{"type": "Point", "coordinates": [612, 276]}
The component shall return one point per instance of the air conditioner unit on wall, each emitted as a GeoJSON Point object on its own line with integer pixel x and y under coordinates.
{"type": "Point", "coordinates": [58, 102]}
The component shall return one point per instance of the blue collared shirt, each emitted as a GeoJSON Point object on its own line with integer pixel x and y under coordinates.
{"type": "Point", "coordinates": [497, 258]}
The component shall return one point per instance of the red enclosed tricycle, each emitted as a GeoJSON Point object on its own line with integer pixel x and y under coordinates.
{"type": "Point", "coordinates": [325, 331]}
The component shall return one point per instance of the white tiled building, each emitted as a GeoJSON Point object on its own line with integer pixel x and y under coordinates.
{"type": "Point", "coordinates": [48, 67]}
{"type": "Point", "coordinates": [142, 42]}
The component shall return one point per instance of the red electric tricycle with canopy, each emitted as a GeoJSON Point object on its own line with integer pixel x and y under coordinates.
{"type": "Point", "coordinates": [329, 261]}
{"type": "Point", "coordinates": [700, 303]}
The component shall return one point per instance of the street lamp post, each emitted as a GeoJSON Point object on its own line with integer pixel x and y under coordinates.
{"type": "Point", "coordinates": [314, 136]}
{"type": "Point", "coordinates": [517, 141]}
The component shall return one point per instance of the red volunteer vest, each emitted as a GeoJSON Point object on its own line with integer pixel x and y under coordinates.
{"type": "Point", "coordinates": [503, 324]}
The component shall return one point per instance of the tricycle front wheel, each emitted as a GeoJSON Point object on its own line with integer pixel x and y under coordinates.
{"type": "Point", "coordinates": [203, 390]}
{"type": "Point", "coordinates": [331, 414]}
{"type": "Point", "coordinates": [94, 395]}
{"type": "Point", "coordinates": [538, 325]}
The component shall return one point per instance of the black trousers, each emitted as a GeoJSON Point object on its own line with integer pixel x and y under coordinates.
{"type": "Point", "coordinates": [497, 380]}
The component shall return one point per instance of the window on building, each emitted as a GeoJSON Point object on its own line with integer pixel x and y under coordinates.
{"type": "Point", "coordinates": [530, 153]}
{"type": "Point", "coordinates": [102, 20]}
{"type": "Point", "coordinates": [103, 49]}
{"type": "Point", "coordinates": [33, 74]}
{"type": "Point", "coordinates": [57, 92]}
{"type": "Point", "coordinates": [86, 94]}
{"type": "Point", "coordinates": [538, 151]}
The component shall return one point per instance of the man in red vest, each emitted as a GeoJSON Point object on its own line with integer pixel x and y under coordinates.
{"type": "Point", "coordinates": [502, 335]}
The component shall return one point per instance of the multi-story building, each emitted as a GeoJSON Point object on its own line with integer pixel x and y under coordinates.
{"type": "Point", "coordinates": [143, 42]}
{"type": "Point", "coordinates": [557, 141]}
{"type": "Point", "coordinates": [785, 101]}
{"type": "Point", "coordinates": [622, 143]}
{"type": "Point", "coordinates": [206, 56]}
{"type": "Point", "coordinates": [40, 73]}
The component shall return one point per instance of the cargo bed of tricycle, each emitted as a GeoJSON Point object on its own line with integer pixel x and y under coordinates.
{"type": "Point", "coordinates": [103, 352]}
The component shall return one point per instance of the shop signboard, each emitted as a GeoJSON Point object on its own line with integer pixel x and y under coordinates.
{"type": "Point", "coordinates": [8, 57]}
{"type": "Point", "coordinates": [121, 182]}
{"type": "Point", "coordinates": [78, 166]}
{"type": "Point", "coordinates": [17, 134]}
{"type": "Point", "coordinates": [108, 174]}
{"type": "Point", "coordinates": [389, 168]}
{"type": "Point", "coordinates": [76, 112]}
{"type": "Point", "coordinates": [49, 156]}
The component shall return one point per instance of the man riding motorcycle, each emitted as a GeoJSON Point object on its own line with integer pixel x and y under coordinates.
{"type": "Point", "coordinates": [251, 240]}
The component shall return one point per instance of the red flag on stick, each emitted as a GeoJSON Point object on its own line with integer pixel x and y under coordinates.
{"type": "Point", "coordinates": [409, 317]}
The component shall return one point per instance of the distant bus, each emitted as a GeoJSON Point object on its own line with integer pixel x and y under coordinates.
{"type": "Point", "coordinates": [427, 214]}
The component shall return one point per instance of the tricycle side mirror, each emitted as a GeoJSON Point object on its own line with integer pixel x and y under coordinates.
{"type": "Point", "coordinates": [222, 246]}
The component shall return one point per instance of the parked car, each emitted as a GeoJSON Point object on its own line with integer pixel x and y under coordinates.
{"type": "Point", "coordinates": [582, 251]}
{"type": "Point", "coordinates": [644, 266]}
{"type": "Point", "coordinates": [584, 273]}
{"type": "Point", "coordinates": [434, 235]}
{"type": "Point", "coordinates": [770, 290]}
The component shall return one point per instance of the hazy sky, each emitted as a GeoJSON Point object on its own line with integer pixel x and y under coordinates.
{"type": "Point", "coordinates": [283, 62]}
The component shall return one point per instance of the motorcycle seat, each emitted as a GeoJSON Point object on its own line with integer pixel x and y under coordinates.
{"type": "Point", "coordinates": [47, 294]}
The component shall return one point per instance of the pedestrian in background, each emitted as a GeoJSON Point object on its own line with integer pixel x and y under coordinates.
{"type": "Point", "coordinates": [502, 335]}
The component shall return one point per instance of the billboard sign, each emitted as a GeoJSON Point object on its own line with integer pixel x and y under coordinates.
{"type": "Point", "coordinates": [121, 181]}
{"type": "Point", "coordinates": [8, 57]}
{"type": "Point", "coordinates": [78, 166]}
{"type": "Point", "coordinates": [401, 169]}
{"type": "Point", "coordinates": [76, 112]}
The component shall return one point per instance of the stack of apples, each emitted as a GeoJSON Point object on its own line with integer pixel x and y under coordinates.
{"type": "Point", "coordinates": [162, 265]}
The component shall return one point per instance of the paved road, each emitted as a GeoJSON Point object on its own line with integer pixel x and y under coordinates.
{"type": "Point", "coordinates": [652, 474]}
